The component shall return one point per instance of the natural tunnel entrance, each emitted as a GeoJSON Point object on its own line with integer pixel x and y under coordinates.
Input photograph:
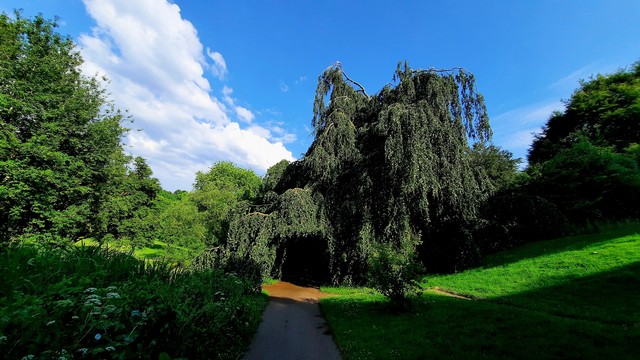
{"type": "Point", "coordinates": [305, 261]}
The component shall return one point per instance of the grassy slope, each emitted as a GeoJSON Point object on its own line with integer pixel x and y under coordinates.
{"type": "Point", "coordinates": [576, 297]}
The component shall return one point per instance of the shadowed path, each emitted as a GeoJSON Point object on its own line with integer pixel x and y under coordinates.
{"type": "Point", "coordinates": [292, 326]}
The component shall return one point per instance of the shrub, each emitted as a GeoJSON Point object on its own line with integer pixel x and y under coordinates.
{"type": "Point", "coordinates": [96, 303]}
{"type": "Point", "coordinates": [395, 271]}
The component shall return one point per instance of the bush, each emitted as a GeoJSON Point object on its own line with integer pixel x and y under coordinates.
{"type": "Point", "coordinates": [590, 183]}
{"type": "Point", "coordinates": [96, 303]}
{"type": "Point", "coordinates": [395, 271]}
{"type": "Point", "coordinates": [511, 218]}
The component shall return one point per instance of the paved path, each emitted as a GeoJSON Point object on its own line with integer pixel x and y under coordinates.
{"type": "Point", "coordinates": [292, 327]}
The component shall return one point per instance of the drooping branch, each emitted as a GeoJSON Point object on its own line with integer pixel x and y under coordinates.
{"type": "Point", "coordinates": [338, 65]}
{"type": "Point", "coordinates": [434, 70]}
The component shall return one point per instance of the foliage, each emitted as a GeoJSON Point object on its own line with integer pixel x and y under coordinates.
{"type": "Point", "coordinates": [179, 224]}
{"type": "Point", "coordinates": [261, 236]}
{"type": "Point", "coordinates": [498, 164]}
{"type": "Point", "coordinates": [535, 307]}
{"type": "Point", "coordinates": [90, 302]}
{"type": "Point", "coordinates": [58, 133]}
{"type": "Point", "coordinates": [590, 183]}
{"type": "Point", "coordinates": [222, 192]}
{"type": "Point", "coordinates": [604, 110]}
{"type": "Point", "coordinates": [126, 213]}
{"type": "Point", "coordinates": [274, 176]}
{"type": "Point", "coordinates": [512, 217]}
{"type": "Point", "coordinates": [395, 272]}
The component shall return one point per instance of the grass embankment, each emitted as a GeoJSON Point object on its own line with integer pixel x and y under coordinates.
{"type": "Point", "coordinates": [91, 302]}
{"type": "Point", "coordinates": [575, 297]}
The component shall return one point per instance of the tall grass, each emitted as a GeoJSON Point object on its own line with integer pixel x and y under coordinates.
{"type": "Point", "coordinates": [95, 302]}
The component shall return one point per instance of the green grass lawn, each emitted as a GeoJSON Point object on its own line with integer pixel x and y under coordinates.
{"type": "Point", "coordinates": [156, 251]}
{"type": "Point", "coordinates": [575, 297]}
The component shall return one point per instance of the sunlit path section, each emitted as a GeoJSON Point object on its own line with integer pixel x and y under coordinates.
{"type": "Point", "coordinates": [292, 326]}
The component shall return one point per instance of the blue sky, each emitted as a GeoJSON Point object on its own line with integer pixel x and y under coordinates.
{"type": "Point", "coordinates": [234, 80]}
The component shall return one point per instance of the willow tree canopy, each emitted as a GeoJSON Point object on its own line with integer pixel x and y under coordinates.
{"type": "Point", "coordinates": [392, 167]}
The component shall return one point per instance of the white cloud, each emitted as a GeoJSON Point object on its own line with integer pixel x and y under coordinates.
{"type": "Point", "coordinates": [219, 68]}
{"type": "Point", "coordinates": [156, 66]}
{"type": "Point", "coordinates": [530, 114]}
{"type": "Point", "coordinates": [244, 114]}
{"type": "Point", "coordinates": [514, 130]}
{"type": "Point", "coordinates": [520, 139]}
{"type": "Point", "coordinates": [226, 93]}
{"type": "Point", "coordinates": [283, 86]}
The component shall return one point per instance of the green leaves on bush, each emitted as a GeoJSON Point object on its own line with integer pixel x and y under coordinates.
{"type": "Point", "coordinates": [395, 271]}
{"type": "Point", "coordinates": [96, 303]}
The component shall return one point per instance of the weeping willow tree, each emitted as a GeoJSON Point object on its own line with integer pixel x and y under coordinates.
{"type": "Point", "coordinates": [392, 169]}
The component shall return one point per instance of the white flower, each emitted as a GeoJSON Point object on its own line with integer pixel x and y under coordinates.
{"type": "Point", "coordinates": [51, 322]}
{"type": "Point", "coordinates": [112, 288]}
{"type": "Point", "coordinates": [110, 348]}
{"type": "Point", "coordinates": [93, 302]}
{"type": "Point", "coordinates": [90, 290]}
{"type": "Point", "coordinates": [28, 357]}
{"type": "Point", "coordinates": [113, 295]}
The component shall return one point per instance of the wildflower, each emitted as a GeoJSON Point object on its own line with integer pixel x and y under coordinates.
{"type": "Point", "coordinates": [112, 288]}
{"type": "Point", "coordinates": [113, 295]}
{"type": "Point", "coordinates": [90, 290]}
{"type": "Point", "coordinates": [83, 351]}
{"type": "Point", "coordinates": [28, 357]}
{"type": "Point", "coordinates": [98, 336]}
{"type": "Point", "coordinates": [93, 302]}
{"type": "Point", "coordinates": [110, 348]}
{"type": "Point", "coordinates": [3, 338]}
{"type": "Point", "coordinates": [93, 296]}
{"type": "Point", "coordinates": [135, 313]}
{"type": "Point", "coordinates": [75, 317]}
{"type": "Point", "coordinates": [51, 322]}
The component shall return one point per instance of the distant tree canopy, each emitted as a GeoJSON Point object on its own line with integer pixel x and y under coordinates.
{"type": "Point", "coordinates": [586, 159]}
{"type": "Point", "coordinates": [393, 168]}
{"type": "Point", "coordinates": [603, 110]}
{"type": "Point", "coordinates": [222, 192]}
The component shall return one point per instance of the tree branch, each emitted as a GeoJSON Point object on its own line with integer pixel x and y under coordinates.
{"type": "Point", "coordinates": [433, 70]}
{"type": "Point", "coordinates": [338, 65]}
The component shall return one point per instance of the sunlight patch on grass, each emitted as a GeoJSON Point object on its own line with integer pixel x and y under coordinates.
{"type": "Point", "coordinates": [574, 297]}
{"type": "Point", "coordinates": [541, 265]}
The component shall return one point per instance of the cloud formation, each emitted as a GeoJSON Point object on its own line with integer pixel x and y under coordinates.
{"type": "Point", "coordinates": [219, 68]}
{"type": "Point", "coordinates": [156, 66]}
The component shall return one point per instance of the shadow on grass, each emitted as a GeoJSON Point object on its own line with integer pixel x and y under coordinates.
{"type": "Point", "coordinates": [450, 328]}
{"type": "Point", "coordinates": [591, 317]}
{"type": "Point", "coordinates": [610, 297]}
